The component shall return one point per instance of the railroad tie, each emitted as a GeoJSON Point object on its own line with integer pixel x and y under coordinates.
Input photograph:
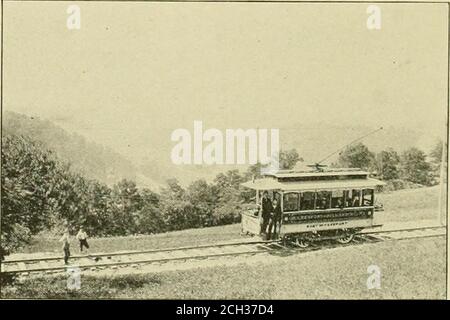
{"type": "Point", "coordinates": [150, 257]}
{"type": "Point", "coordinates": [194, 252]}
{"type": "Point", "coordinates": [244, 248]}
{"type": "Point", "coordinates": [43, 265]}
{"type": "Point", "coordinates": [212, 251]}
{"type": "Point", "coordinates": [402, 235]}
{"type": "Point", "coordinates": [132, 258]}
{"type": "Point", "coordinates": [23, 266]}
{"type": "Point", "coordinates": [215, 250]}
{"type": "Point", "coordinates": [276, 244]}
{"type": "Point", "coordinates": [141, 256]}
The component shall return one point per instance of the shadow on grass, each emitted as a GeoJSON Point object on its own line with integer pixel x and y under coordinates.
{"type": "Point", "coordinates": [90, 287]}
{"type": "Point", "coordinates": [291, 249]}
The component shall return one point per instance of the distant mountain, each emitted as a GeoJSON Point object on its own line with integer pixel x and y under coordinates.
{"type": "Point", "coordinates": [313, 141]}
{"type": "Point", "coordinates": [87, 158]}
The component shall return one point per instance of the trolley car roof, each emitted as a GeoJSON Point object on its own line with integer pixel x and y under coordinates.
{"type": "Point", "coordinates": [314, 173]}
{"type": "Point", "coordinates": [273, 184]}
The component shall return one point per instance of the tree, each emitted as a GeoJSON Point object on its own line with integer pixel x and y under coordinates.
{"type": "Point", "coordinates": [227, 213]}
{"type": "Point", "coordinates": [149, 197]}
{"type": "Point", "coordinates": [203, 197]}
{"type": "Point", "coordinates": [97, 219]}
{"type": "Point", "coordinates": [436, 157]}
{"type": "Point", "coordinates": [72, 199]}
{"type": "Point", "coordinates": [415, 168]}
{"type": "Point", "coordinates": [173, 189]}
{"type": "Point", "coordinates": [177, 211]}
{"type": "Point", "coordinates": [27, 181]}
{"type": "Point", "coordinates": [178, 214]}
{"type": "Point", "coordinates": [200, 191]}
{"type": "Point", "coordinates": [289, 158]}
{"type": "Point", "coordinates": [127, 204]}
{"type": "Point", "coordinates": [356, 156]}
{"type": "Point", "coordinates": [254, 171]}
{"type": "Point", "coordinates": [150, 219]}
{"type": "Point", "coordinates": [231, 178]}
{"type": "Point", "coordinates": [436, 153]}
{"type": "Point", "coordinates": [386, 164]}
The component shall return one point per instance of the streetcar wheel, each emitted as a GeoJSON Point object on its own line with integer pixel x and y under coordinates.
{"type": "Point", "coordinates": [301, 243]}
{"type": "Point", "coordinates": [346, 238]}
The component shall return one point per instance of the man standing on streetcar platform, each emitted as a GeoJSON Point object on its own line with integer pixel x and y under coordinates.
{"type": "Point", "coordinates": [275, 219]}
{"type": "Point", "coordinates": [266, 207]}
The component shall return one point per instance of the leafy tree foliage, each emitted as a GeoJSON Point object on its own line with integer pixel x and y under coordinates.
{"type": "Point", "coordinates": [356, 156]}
{"type": "Point", "coordinates": [387, 164]}
{"type": "Point", "coordinates": [415, 168]}
{"type": "Point", "coordinates": [436, 153]}
{"type": "Point", "coordinates": [436, 157]}
{"type": "Point", "coordinates": [289, 158]}
{"type": "Point", "coordinates": [28, 179]}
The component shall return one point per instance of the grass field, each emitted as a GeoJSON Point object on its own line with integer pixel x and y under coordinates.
{"type": "Point", "coordinates": [410, 204]}
{"type": "Point", "coordinates": [163, 240]}
{"type": "Point", "coordinates": [404, 205]}
{"type": "Point", "coordinates": [409, 269]}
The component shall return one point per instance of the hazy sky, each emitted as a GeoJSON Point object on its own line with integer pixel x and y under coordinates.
{"type": "Point", "coordinates": [134, 72]}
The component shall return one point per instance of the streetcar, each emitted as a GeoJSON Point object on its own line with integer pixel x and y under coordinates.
{"type": "Point", "coordinates": [316, 204]}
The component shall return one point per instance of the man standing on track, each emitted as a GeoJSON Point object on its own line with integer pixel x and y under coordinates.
{"type": "Point", "coordinates": [65, 239]}
{"type": "Point", "coordinates": [82, 237]}
{"type": "Point", "coordinates": [266, 212]}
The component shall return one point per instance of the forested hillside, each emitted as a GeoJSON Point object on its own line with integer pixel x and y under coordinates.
{"type": "Point", "coordinates": [87, 158]}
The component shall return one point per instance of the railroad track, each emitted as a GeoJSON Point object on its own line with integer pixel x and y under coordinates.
{"type": "Point", "coordinates": [410, 233]}
{"type": "Point", "coordinates": [95, 262]}
{"type": "Point", "coordinates": [132, 258]}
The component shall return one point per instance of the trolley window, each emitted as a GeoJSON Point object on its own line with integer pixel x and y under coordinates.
{"type": "Point", "coordinates": [307, 201]}
{"type": "Point", "coordinates": [290, 202]}
{"type": "Point", "coordinates": [367, 198]}
{"type": "Point", "coordinates": [337, 199]}
{"type": "Point", "coordinates": [323, 199]}
{"type": "Point", "coordinates": [353, 198]}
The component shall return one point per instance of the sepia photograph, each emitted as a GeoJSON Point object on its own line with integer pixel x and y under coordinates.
{"type": "Point", "coordinates": [224, 150]}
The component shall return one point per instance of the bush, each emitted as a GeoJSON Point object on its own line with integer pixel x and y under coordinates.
{"type": "Point", "coordinates": [226, 214]}
{"type": "Point", "coordinates": [399, 184]}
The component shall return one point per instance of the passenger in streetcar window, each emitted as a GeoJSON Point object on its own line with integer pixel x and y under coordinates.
{"type": "Point", "coordinates": [307, 201]}
{"type": "Point", "coordinates": [367, 197]}
{"type": "Point", "coordinates": [323, 200]}
{"type": "Point", "coordinates": [337, 199]}
{"type": "Point", "coordinates": [355, 202]}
